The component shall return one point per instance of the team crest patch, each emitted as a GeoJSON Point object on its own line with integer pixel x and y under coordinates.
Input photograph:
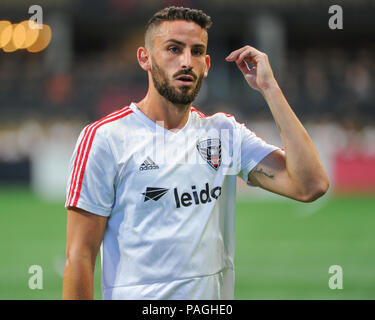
{"type": "Point", "coordinates": [210, 150]}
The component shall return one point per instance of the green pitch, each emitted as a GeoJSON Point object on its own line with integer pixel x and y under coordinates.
{"type": "Point", "coordinates": [283, 248]}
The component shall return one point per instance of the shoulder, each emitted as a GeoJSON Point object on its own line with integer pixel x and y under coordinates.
{"type": "Point", "coordinates": [112, 120]}
{"type": "Point", "coordinates": [108, 124]}
{"type": "Point", "coordinates": [218, 118]}
{"type": "Point", "coordinates": [200, 114]}
{"type": "Point", "coordinates": [97, 136]}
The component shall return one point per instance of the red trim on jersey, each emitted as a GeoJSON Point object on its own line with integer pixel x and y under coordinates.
{"type": "Point", "coordinates": [227, 115]}
{"type": "Point", "coordinates": [82, 154]}
{"type": "Point", "coordinates": [73, 181]}
{"type": "Point", "coordinates": [200, 114]}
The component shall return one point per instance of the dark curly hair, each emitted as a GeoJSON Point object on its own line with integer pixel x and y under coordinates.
{"type": "Point", "coordinates": [178, 13]}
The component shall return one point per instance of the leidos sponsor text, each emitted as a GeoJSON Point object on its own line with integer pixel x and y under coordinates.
{"type": "Point", "coordinates": [203, 196]}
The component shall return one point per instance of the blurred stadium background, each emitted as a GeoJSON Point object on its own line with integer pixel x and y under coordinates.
{"type": "Point", "coordinates": [88, 69]}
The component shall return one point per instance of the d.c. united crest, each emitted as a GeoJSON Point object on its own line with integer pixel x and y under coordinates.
{"type": "Point", "coordinates": [210, 150]}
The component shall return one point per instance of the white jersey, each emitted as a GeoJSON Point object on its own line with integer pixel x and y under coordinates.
{"type": "Point", "coordinates": [170, 199]}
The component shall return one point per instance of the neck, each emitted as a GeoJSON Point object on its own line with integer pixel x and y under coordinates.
{"type": "Point", "coordinates": [157, 108]}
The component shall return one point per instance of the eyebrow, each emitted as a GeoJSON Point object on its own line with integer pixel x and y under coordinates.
{"type": "Point", "coordinates": [184, 44]}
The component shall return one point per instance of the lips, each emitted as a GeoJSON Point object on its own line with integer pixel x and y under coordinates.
{"type": "Point", "coordinates": [185, 79]}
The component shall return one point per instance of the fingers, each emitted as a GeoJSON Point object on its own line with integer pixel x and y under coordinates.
{"type": "Point", "coordinates": [243, 67]}
{"type": "Point", "coordinates": [247, 52]}
{"type": "Point", "coordinates": [234, 54]}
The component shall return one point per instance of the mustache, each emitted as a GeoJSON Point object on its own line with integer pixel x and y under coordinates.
{"type": "Point", "coordinates": [186, 72]}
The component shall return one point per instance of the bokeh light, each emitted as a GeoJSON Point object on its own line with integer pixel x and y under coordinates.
{"type": "Point", "coordinates": [43, 40]}
{"type": "Point", "coordinates": [24, 35]}
{"type": "Point", "coordinates": [6, 31]}
{"type": "Point", "coordinates": [6, 38]}
{"type": "Point", "coordinates": [19, 35]}
{"type": "Point", "coordinates": [32, 34]}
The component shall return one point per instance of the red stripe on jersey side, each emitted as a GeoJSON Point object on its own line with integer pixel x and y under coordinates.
{"type": "Point", "coordinates": [89, 137]}
{"type": "Point", "coordinates": [75, 165]}
{"type": "Point", "coordinates": [88, 151]}
{"type": "Point", "coordinates": [81, 150]}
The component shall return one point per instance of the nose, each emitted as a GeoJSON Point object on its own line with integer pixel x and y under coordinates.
{"type": "Point", "coordinates": [186, 62]}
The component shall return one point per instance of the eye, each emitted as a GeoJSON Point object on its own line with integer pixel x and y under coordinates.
{"type": "Point", "coordinates": [174, 49]}
{"type": "Point", "coordinates": [197, 51]}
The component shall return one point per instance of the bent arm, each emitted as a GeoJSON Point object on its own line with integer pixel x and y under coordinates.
{"type": "Point", "coordinates": [296, 172]}
{"type": "Point", "coordinates": [84, 235]}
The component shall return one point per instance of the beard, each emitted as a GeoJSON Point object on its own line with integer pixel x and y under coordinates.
{"type": "Point", "coordinates": [183, 96]}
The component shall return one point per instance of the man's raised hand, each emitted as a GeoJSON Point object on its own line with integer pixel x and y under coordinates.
{"type": "Point", "coordinates": [260, 76]}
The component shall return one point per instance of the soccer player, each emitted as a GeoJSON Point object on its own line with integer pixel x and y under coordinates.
{"type": "Point", "coordinates": [153, 184]}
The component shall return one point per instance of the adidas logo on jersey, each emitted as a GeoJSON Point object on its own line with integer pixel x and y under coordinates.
{"type": "Point", "coordinates": [148, 164]}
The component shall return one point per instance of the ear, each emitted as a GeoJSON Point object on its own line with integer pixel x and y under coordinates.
{"type": "Point", "coordinates": [208, 64]}
{"type": "Point", "coordinates": [144, 58]}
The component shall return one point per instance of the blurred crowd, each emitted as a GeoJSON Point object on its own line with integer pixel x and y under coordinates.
{"type": "Point", "coordinates": [330, 84]}
{"type": "Point", "coordinates": [330, 87]}
{"type": "Point", "coordinates": [333, 83]}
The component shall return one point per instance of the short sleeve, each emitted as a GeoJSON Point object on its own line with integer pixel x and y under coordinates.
{"type": "Point", "coordinates": [253, 150]}
{"type": "Point", "coordinates": [91, 183]}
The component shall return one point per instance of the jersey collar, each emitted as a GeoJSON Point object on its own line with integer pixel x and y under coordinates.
{"type": "Point", "coordinates": [154, 125]}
